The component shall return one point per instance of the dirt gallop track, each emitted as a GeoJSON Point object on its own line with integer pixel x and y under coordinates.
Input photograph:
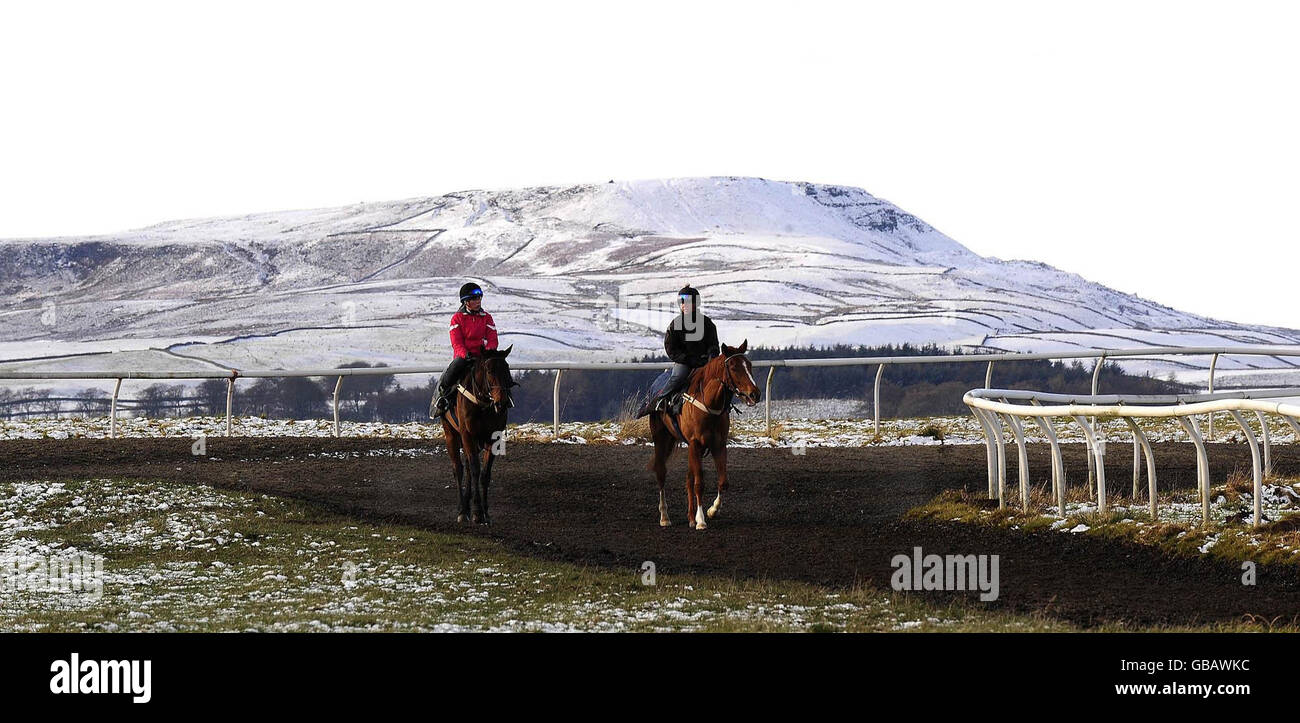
{"type": "Point", "coordinates": [831, 516]}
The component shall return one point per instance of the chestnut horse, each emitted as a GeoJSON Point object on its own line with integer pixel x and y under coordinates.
{"type": "Point", "coordinates": [476, 422]}
{"type": "Point", "coordinates": [704, 423]}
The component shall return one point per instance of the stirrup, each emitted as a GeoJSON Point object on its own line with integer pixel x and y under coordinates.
{"type": "Point", "coordinates": [675, 404]}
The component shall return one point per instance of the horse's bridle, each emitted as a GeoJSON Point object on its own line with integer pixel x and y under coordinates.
{"type": "Point", "coordinates": [728, 382]}
{"type": "Point", "coordinates": [483, 401]}
{"type": "Point", "coordinates": [729, 390]}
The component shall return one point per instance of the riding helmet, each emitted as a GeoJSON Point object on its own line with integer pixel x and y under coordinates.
{"type": "Point", "coordinates": [469, 291]}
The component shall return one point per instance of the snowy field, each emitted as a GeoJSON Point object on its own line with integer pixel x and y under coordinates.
{"type": "Point", "coordinates": [181, 557]}
{"type": "Point", "coordinates": [191, 558]}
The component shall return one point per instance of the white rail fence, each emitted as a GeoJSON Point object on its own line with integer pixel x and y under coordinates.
{"type": "Point", "coordinates": [1100, 357]}
{"type": "Point", "coordinates": [994, 407]}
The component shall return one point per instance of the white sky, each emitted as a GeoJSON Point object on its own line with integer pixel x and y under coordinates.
{"type": "Point", "coordinates": [1149, 146]}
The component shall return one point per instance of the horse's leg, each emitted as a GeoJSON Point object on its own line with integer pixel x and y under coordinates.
{"type": "Point", "coordinates": [695, 485]}
{"type": "Point", "coordinates": [458, 468]}
{"type": "Point", "coordinates": [485, 481]}
{"type": "Point", "coordinates": [475, 480]}
{"type": "Point", "coordinates": [664, 444]}
{"type": "Point", "coordinates": [720, 458]}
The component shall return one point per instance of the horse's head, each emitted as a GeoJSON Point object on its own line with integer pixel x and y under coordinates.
{"type": "Point", "coordinates": [496, 378]}
{"type": "Point", "coordinates": [739, 373]}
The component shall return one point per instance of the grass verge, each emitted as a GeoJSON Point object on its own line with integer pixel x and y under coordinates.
{"type": "Point", "coordinates": [181, 557]}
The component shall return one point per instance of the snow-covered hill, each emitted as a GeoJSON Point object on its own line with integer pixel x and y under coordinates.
{"type": "Point", "coordinates": [579, 273]}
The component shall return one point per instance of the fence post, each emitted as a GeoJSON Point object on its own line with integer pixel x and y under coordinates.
{"type": "Point", "coordinates": [337, 384]}
{"type": "Point", "coordinates": [112, 415]}
{"type": "Point", "coordinates": [767, 404]}
{"type": "Point", "coordinates": [1139, 438]}
{"type": "Point", "coordinates": [1137, 464]}
{"type": "Point", "coordinates": [1016, 429]}
{"type": "Point", "coordinates": [555, 402]}
{"type": "Point", "coordinates": [1099, 455]}
{"type": "Point", "coordinates": [1193, 429]}
{"type": "Point", "coordinates": [1214, 362]}
{"type": "Point", "coordinates": [1268, 445]}
{"type": "Point", "coordinates": [988, 376]}
{"type": "Point", "coordinates": [1256, 467]}
{"type": "Point", "coordinates": [1058, 463]}
{"type": "Point", "coordinates": [1096, 384]}
{"type": "Point", "coordinates": [1092, 465]}
{"type": "Point", "coordinates": [988, 444]}
{"type": "Point", "coordinates": [230, 401]}
{"type": "Point", "coordinates": [1000, 448]}
{"type": "Point", "coordinates": [879, 371]}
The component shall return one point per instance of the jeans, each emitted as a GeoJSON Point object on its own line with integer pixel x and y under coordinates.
{"type": "Point", "coordinates": [676, 381]}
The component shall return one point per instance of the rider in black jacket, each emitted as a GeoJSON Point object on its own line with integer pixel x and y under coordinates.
{"type": "Point", "coordinates": [691, 341]}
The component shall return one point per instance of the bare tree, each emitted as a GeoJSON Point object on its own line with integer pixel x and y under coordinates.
{"type": "Point", "coordinates": [92, 402]}
{"type": "Point", "coordinates": [211, 396]}
{"type": "Point", "coordinates": [161, 400]}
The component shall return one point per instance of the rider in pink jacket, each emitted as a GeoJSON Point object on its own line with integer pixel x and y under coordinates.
{"type": "Point", "coordinates": [472, 331]}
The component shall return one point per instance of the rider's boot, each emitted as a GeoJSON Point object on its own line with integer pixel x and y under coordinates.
{"type": "Point", "coordinates": [441, 405]}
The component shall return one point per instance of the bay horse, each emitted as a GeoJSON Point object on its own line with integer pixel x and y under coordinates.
{"type": "Point", "coordinates": [475, 423]}
{"type": "Point", "coordinates": [704, 424]}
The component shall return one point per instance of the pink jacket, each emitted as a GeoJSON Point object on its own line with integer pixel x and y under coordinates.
{"type": "Point", "coordinates": [472, 333]}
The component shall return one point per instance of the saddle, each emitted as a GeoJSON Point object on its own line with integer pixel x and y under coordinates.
{"type": "Point", "coordinates": [652, 403]}
{"type": "Point", "coordinates": [672, 404]}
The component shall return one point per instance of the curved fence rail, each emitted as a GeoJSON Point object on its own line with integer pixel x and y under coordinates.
{"type": "Point", "coordinates": [994, 407]}
{"type": "Point", "coordinates": [1151, 353]}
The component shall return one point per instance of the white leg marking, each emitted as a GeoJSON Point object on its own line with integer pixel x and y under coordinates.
{"type": "Point", "coordinates": [713, 509]}
{"type": "Point", "coordinates": [699, 518]}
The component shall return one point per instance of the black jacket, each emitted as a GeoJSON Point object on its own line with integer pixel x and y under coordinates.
{"type": "Point", "coordinates": [691, 352]}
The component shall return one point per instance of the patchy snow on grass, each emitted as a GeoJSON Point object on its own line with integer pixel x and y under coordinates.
{"type": "Point", "coordinates": [1179, 526]}
{"type": "Point", "coordinates": [181, 557]}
